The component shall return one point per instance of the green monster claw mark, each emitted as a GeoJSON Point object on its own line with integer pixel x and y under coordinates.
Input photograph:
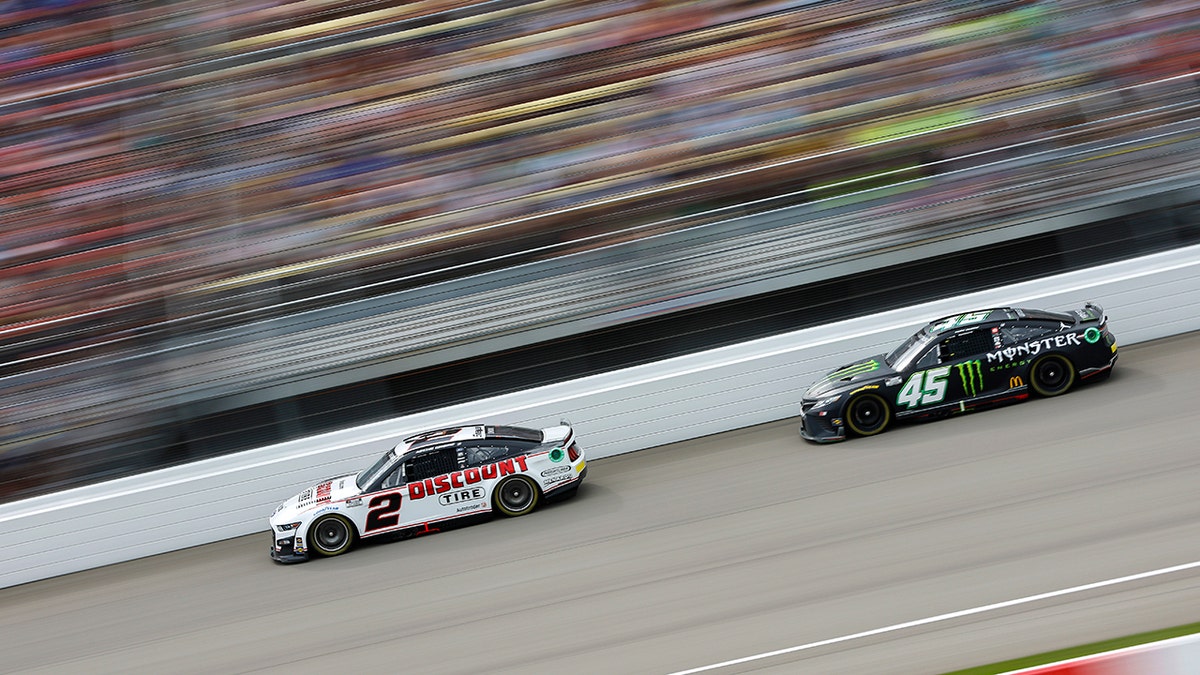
{"type": "Point", "coordinates": [852, 370]}
{"type": "Point", "coordinates": [971, 374]}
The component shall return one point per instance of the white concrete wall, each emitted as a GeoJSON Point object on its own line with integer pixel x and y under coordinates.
{"type": "Point", "coordinates": [618, 412]}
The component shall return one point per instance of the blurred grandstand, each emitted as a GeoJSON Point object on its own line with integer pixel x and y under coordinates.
{"type": "Point", "coordinates": [219, 219]}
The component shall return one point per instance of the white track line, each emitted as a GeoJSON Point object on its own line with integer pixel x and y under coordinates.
{"type": "Point", "coordinates": [946, 617]}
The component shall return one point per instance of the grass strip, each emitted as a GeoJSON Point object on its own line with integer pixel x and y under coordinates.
{"type": "Point", "coordinates": [1081, 650]}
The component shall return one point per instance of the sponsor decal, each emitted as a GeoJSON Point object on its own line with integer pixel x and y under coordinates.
{"type": "Point", "coordinates": [324, 490]}
{"type": "Point", "coordinates": [971, 375]}
{"type": "Point", "coordinates": [1015, 382]}
{"type": "Point", "coordinates": [1008, 365]}
{"type": "Point", "coordinates": [459, 496]}
{"type": "Point", "coordinates": [357, 501]}
{"type": "Point", "coordinates": [555, 470]}
{"type": "Point", "coordinates": [557, 479]}
{"type": "Point", "coordinates": [461, 479]}
{"type": "Point", "coordinates": [305, 496]}
{"type": "Point", "coordinates": [468, 507]}
{"type": "Point", "coordinates": [1092, 335]}
{"type": "Point", "coordinates": [997, 342]}
{"type": "Point", "coordinates": [892, 381]}
{"type": "Point", "coordinates": [557, 454]}
{"type": "Point", "coordinates": [1033, 347]}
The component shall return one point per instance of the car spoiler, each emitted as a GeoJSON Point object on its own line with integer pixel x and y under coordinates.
{"type": "Point", "coordinates": [1091, 311]}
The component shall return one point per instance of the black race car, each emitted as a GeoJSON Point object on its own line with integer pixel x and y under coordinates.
{"type": "Point", "coordinates": [960, 363]}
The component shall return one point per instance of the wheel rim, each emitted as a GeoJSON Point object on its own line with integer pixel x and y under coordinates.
{"type": "Point", "coordinates": [332, 534]}
{"type": "Point", "coordinates": [867, 415]}
{"type": "Point", "coordinates": [516, 495]}
{"type": "Point", "coordinates": [1052, 374]}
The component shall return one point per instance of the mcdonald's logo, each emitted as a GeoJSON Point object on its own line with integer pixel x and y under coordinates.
{"type": "Point", "coordinates": [1015, 381]}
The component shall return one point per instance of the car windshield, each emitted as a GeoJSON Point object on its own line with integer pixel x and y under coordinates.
{"type": "Point", "coordinates": [364, 478]}
{"type": "Point", "coordinates": [910, 349]}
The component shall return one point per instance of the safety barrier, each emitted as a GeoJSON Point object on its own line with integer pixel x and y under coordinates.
{"type": "Point", "coordinates": [617, 412]}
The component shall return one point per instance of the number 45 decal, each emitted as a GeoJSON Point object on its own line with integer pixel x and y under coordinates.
{"type": "Point", "coordinates": [924, 387]}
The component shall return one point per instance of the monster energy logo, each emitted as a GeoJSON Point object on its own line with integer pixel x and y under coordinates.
{"type": "Point", "coordinates": [971, 374]}
{"type": "Point", "coordinates": [851, 371]}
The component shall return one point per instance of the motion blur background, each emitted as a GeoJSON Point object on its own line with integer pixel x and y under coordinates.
{"type": "Point", "coordinates": [226, 224]}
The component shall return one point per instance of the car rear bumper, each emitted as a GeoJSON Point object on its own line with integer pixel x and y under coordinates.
{"type": "Point", "coordinates": [565, 488]}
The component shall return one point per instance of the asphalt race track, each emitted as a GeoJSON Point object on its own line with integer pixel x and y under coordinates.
{"type": "Point", "coordinates": [707, 551]}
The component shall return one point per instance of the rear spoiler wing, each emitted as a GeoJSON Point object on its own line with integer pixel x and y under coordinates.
{"type": "Point", "coordinates": [1091, 311]}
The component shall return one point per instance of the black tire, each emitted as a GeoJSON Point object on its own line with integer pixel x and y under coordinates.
{"type": "Point", "coordinates": [867, 414]}
{"type": "Point", "coordinates": [516, 496]}
{"type": "Point", "coordinates": [330, 535]}
{"type": "Point", "coordinates": [1051, 375]}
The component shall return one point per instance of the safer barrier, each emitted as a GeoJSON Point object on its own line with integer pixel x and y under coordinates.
{"type": "Point", "coordinates": [617, 412]}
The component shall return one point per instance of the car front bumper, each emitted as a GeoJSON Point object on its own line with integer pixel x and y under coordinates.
{"type": "Point", "coordinates": [283, 551]}
{"type": "Point", "coordinates": [821, 428]}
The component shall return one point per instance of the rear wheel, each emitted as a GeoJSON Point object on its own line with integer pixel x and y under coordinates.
{"type": "Point", "coordinates": [331, 535]}
{"type": "Point", "coordinates": [868, 414]}
{"type": "Point", "coordinates": [1052, 375]}
{"type": "Point", "coordinates": [516, 496]}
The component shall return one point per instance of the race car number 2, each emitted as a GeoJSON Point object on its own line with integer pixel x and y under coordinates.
{"type": "Point", "coordinates": [384, 511]}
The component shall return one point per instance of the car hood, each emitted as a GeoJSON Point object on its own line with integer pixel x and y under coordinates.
{"type": "Point", "coordinates": [852, 374]}
{"type": "Point", "coordinates": [324, 492]}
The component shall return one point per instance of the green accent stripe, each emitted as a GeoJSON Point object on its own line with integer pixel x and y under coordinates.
{"type": "Point", "coordinates": [856, 369]}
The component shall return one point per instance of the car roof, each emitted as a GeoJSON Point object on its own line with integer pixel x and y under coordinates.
{"type": "Point", "coordinates": [466, 433]}
{"type": "Point", "coordinates": [993, 314]}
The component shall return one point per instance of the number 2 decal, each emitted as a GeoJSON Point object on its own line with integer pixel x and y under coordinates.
{"type": "Point", "coordinates": [924, 387]}
{"type": "Point", "coordinates": [383, 511]}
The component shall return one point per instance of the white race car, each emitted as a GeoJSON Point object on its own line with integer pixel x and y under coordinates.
{"type": "Point", "coordinates": [428, 479]}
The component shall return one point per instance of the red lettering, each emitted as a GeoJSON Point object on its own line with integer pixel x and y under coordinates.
{"type": "Point", "coordinates": [471, 476]}
{"type": "Point", "coordinates": [429, 486]}
{"type": "Point", "coordinates": [443, 484]}
{"type": "Point", "coordinates": [416, 491]}
{"type": "Point", "coordinates": [489, 471]}
{"type": "Point", "coordinates": [521, 461]}
{"type": "Point", "coordinates": [456, 479]}
{"type": "Point", "coordinates": [506, 467]}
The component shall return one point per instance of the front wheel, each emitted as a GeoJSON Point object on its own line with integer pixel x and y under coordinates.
{"type": "Point", "coordinates": [868, 414]}
{"type": "Point", "coordinates": [331, 535]}
{"type": "Point", "coordinates": [1052, 375]}
{"type": "Point", "coordinates": [516, 496]}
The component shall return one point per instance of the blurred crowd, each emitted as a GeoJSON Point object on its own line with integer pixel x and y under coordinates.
{"type": "Point", "coordinates": [157, 150]}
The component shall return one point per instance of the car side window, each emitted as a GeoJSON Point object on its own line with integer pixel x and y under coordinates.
{"type": "Point", "coordinates": [485, 452]}
{"type": "Point", "coordinates": [1020, 333]}
{"type": "Point", "coordinates": [394, 478]}
{"type": "Point", "coordinates": [962, 345]}
{"type": "Point", "coordinates": [929, 358]}
{"type": "Point", "coordinates": [432, 463]}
